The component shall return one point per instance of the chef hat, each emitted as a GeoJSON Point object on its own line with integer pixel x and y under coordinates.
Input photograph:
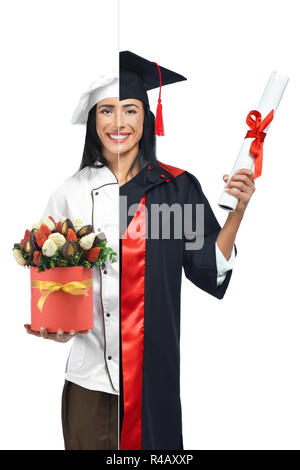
{"type": "Point", "coordinates": [107, 86]}
{"type": "Point", "coordinates": [136, 76]}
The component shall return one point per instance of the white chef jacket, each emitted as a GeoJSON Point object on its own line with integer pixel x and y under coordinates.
{"type": "Point", "coordinates": [92, 194]}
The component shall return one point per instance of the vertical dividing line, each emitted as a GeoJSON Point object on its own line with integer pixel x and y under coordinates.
{"type": "Point", "coordinates": [118, 68]}
{"type": "Point", "coordinates": [118, 33]}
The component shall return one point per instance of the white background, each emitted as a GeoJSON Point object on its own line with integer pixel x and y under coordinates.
{"type": "Point", "coordinates": [239, 355]}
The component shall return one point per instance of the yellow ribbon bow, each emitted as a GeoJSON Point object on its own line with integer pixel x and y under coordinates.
{"type": "Point", "coordinates": [74, 288]}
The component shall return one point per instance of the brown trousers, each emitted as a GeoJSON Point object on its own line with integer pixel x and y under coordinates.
{"type": "Point", "coordinates": [89, 419]}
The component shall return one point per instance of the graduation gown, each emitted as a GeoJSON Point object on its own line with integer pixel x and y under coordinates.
{"type": "Point", "coordinates": [150, 285]}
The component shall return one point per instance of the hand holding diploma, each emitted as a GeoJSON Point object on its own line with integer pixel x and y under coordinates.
{"type": "Point", "coordinates": [241, 186]}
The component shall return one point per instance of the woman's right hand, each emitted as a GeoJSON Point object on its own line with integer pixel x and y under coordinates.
{"type": "Point", "coordinates": [60, 336]}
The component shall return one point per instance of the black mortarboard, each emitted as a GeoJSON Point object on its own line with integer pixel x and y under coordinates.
{"type": "Point", "coordinates": [138, 75]}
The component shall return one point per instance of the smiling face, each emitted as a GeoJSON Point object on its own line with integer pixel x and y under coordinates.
{"type": "Point", "coordinates": [119, 125]}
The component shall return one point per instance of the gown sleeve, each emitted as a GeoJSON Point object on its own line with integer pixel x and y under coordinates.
{"type": "Point", "coordinates": [200, 265]}
{"type": "Point", "coordinates": [223, 265]}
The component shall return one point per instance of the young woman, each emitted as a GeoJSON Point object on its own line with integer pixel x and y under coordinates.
{"type": "Point", "coordinates": [120, 159]}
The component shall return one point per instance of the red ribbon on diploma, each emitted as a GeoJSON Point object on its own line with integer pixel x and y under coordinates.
{"type": "Point", "coordinates": [256, 130]}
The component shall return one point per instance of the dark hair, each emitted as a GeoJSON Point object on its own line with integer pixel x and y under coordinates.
{"type": "Point", "coordinates": [92, 151]}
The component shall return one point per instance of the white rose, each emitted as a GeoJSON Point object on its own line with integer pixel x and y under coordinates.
{"type": "Point", "coordinates": [49, 247]}
{"type": "Point", "coordinates": [58, 239]}
{"type": "Point", "coordinates": [87, 241]}
{"type": "Point", "coordinates": [48, 222]}
{"type": "Point", "coordinates": [19, 257]}
{"type": "Point", "coordinates": [77, 224]}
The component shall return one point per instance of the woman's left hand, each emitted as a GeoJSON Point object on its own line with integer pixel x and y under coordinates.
{"type": "Point", "coordinates": [243, 181]}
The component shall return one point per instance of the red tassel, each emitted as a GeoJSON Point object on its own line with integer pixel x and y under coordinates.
{"type": "Point", "coordinates": [159, 123]}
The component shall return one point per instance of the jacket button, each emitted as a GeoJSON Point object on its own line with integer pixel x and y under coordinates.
{"type": "Point", "coordinates": [108, 314]}
{"type": "Point", "coordinates": [104, 272]}
{"type": "Point", "coordinates": [109, 357]}
{"type": "Point", "coordinates": [96, 194]}
{"type": "Point", "coordinates": [151, 178]}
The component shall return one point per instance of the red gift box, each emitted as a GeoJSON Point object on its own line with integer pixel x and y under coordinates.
{"type": "Point", "coordinates": [62, 297]}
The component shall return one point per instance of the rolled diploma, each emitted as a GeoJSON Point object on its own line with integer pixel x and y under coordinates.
{"type": "Point", "coordinates": [270, 100]}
